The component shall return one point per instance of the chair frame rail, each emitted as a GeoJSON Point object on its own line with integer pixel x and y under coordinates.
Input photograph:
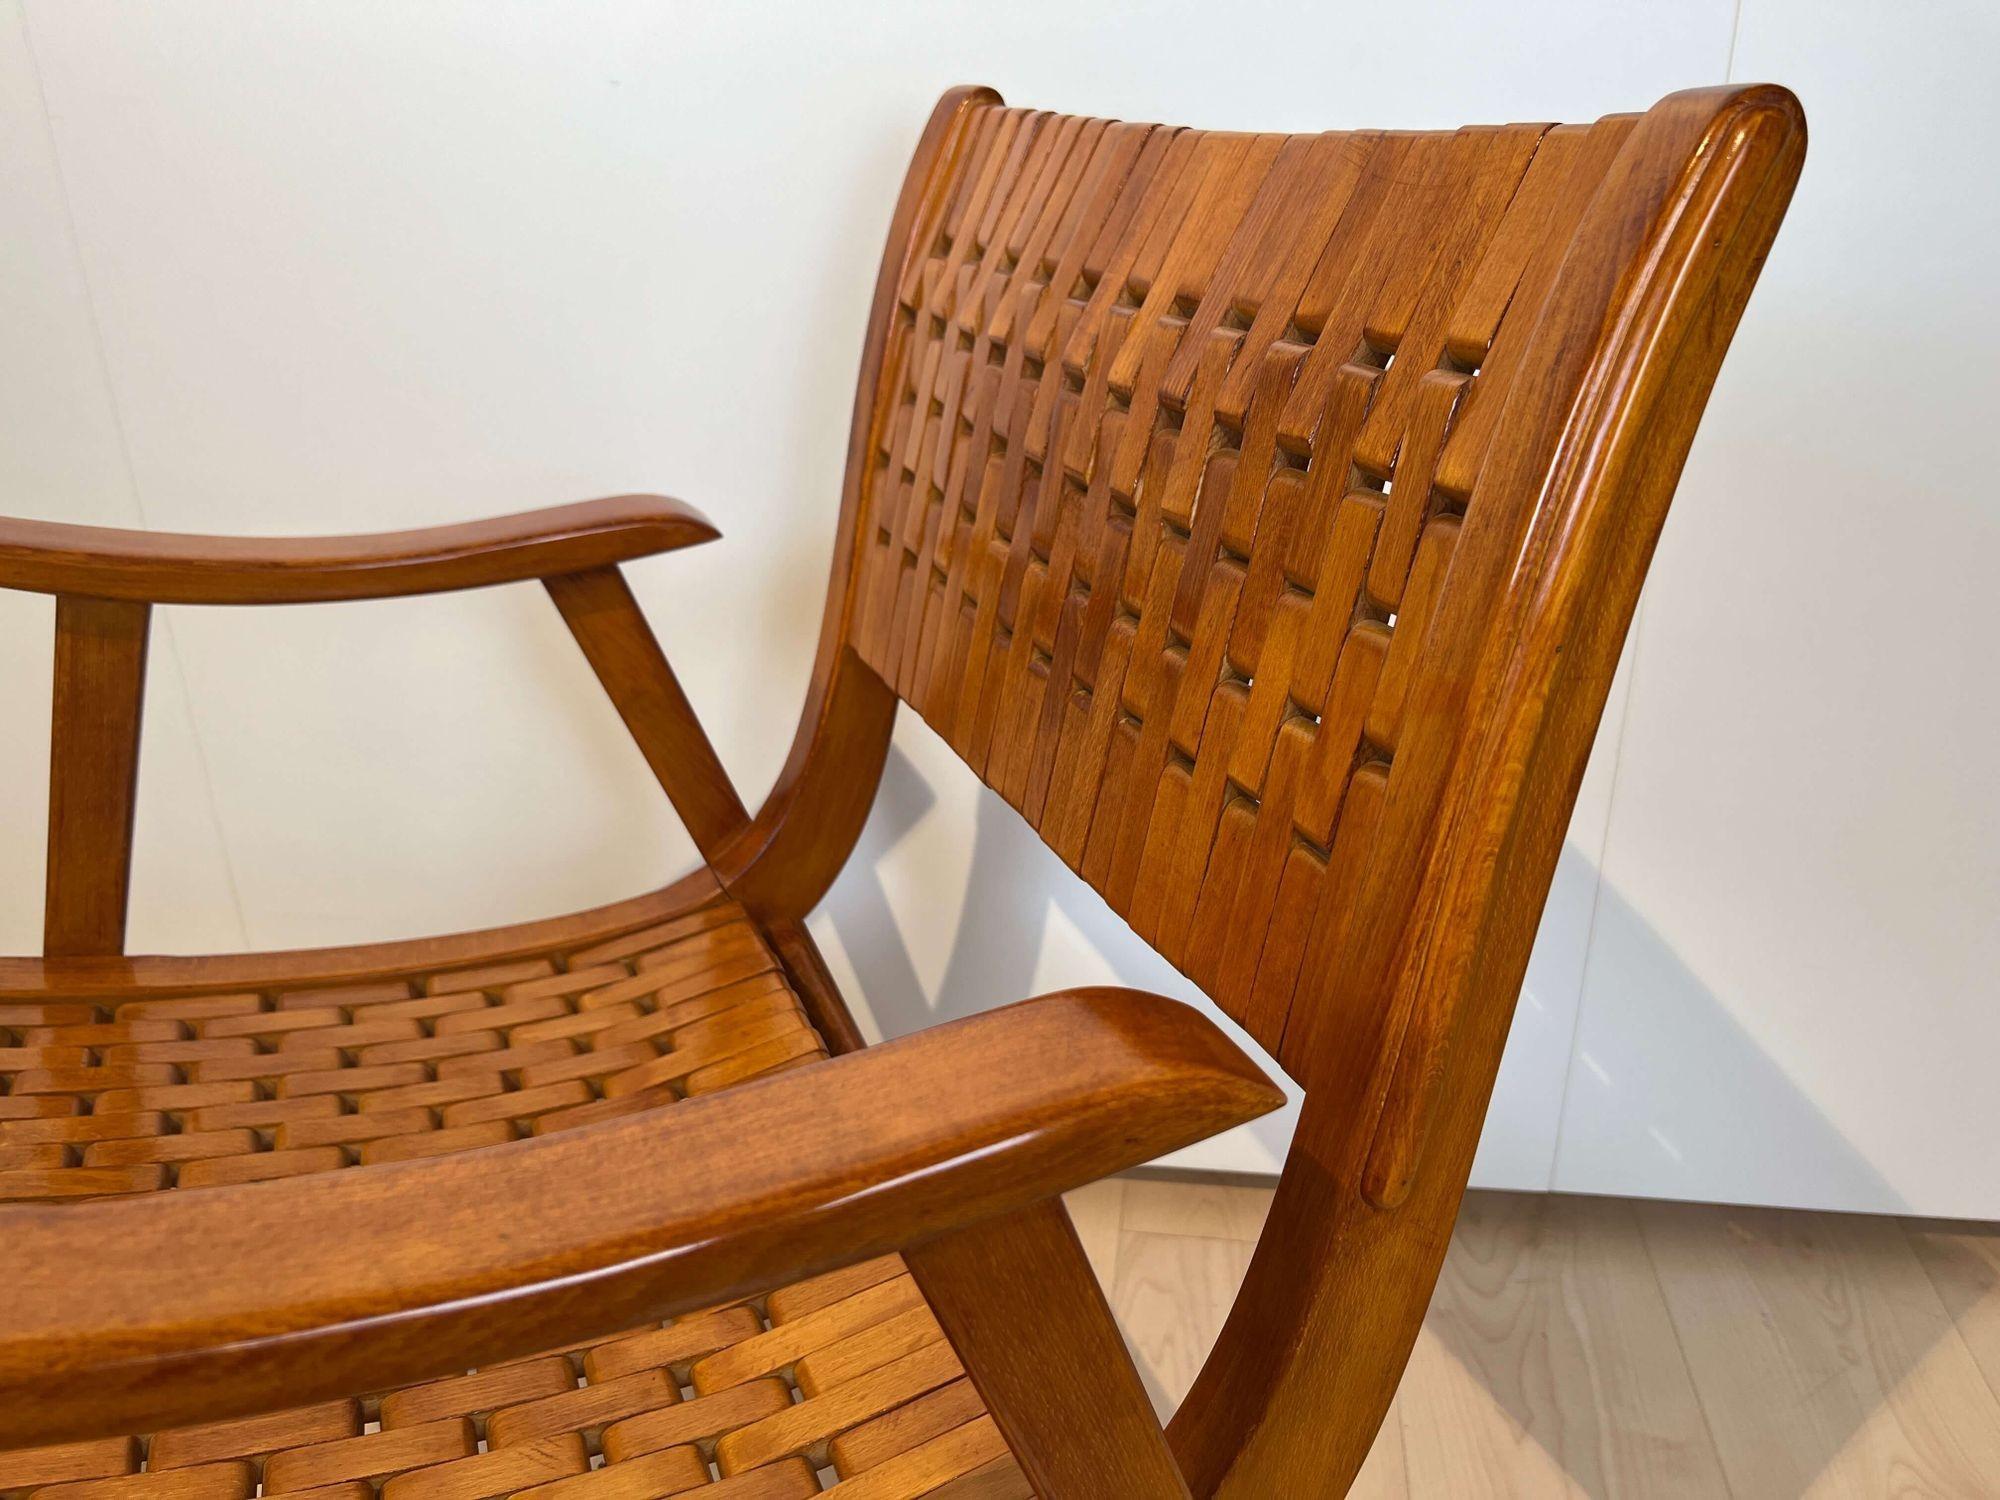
{"type": "Point", "coordinates": [1633, 330]}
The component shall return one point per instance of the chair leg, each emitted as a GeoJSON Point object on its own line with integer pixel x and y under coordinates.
{"type": "Point", "coordinates": [1019, 1303]}
{"type": "Point", "coordinates": [620, 646]}
{"type": "Point", "coordinates": [100, 690]}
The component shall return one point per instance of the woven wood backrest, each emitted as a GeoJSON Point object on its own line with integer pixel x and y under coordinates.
{"type": "Point", "coordinates": [1178, 437]}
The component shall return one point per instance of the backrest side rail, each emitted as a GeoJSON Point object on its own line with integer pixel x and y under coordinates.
{"type": "Point", "coordinates": [1259, 516]}
{"type": "Point", "coordinates": [1654, 282]}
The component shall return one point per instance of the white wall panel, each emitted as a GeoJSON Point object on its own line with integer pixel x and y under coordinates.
{"type": "Point", "coordinates": [62, 456]}
{"type": "Point", "coordinates": [1791, 995]}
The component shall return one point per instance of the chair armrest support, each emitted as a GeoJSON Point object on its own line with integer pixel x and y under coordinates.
{"type": "Point", "coordinates": [52, 557]}
{"type": "Point", "coordinates": [166, 1308]}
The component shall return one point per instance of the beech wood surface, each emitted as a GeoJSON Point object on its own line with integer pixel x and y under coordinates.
{"type": "Point", "coordinates": [1273, 565]}
{"type": "Point", "coordinates": [139, 975]}
{"type": "Point", "coordinates": [1027, 1316]}
{"type": "Point", "coordinates": [99, 700]}
{"type": "Point", "coordinates": [620, 646]}
{"type": "Point", "coordinates": [1261, 517]}
{"type": "Point", "coordinates": [639, 1005]}
{"type": "Point", "coordinates": [54, 557]}
{"type": "Point", "coordinates": [1660, 269]}
{"type": "Point", "coordinates": [111, 1316]}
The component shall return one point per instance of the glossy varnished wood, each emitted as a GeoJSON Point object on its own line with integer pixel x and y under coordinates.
{"type": "Point", "coordinates": [601, 613]}
{"type": "Point", "coordinates": [53, 557]}
{"type": "Point", "coordinates": [111, 1317]}
{"type": "Point", "coordinates": [817, 991]}
{"type": "Point", "coordinates": [100, 689]}
{"type": "Point", "coordinates": [1131, 415]}
{"type": "Point", "coordinates": [1260, 516]}
{"type": "Point", "coordinates": [1018, 1299]}
{"type": "Point", "coordinates": [161, 975]}
{"type": "Point", "coordinates": [1637, 324]}
{"type": "Point", "coordinates": [711, 999]}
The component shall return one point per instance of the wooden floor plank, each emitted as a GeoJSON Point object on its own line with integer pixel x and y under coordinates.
{"type": "Point", "coordinates": [1212, 1210]}
{"type": "Point", "coordinates": [1825, 1361]}
{"type": "Point", "coordinates": [1458, 1440]}
{"type": "Point", "coordinates": [1963, 1262]}
{"type": "Point", "coordinates": [1549, 1364]}
{"type": "Point", "coordinates": [1098, 1212]}
{"type": "Point", "coordinates": [1171, 1294]}
{"type": "Point", "coordinates": [1601, 1348]}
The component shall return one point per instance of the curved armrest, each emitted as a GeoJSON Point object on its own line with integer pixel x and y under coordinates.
{"type": "Point", "coordinates": [172, 1307]}
{"type": "Point", "coordinates": [51, 557]}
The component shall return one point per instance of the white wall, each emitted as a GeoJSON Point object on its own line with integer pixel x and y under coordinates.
{"type": "Point", "coordinates": [337, 265]}
{"type": "Point", "coordinates": [1793, 992]}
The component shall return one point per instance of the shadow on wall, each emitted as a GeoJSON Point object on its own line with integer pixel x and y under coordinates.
{"type": "Point", "coordinates": [1016, 891]}
{"type": "Point", "coordinates": [1666, 1094]}
{"type": "Point", "coordinates": [1670, 1096]}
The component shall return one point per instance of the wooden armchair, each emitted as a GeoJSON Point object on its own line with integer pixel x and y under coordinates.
{"type": "Point", "coordinates": [1261, 517]}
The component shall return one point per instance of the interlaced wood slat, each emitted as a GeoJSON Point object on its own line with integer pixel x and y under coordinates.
{"type": "Point", "coordinates": [191, 1091]}
{"type": "Point", "coordinates": [1260, 516]}
{"type": "Point", "coordinates": [1176, 440]}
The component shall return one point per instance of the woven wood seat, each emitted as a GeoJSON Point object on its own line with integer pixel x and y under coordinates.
{"type": "Point", "coordinates": [1260, 516]}
{"type": "Point", "coordinates": [848, 1370]}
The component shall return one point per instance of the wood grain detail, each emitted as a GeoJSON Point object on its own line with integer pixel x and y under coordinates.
{"type": "Point", "coordinates": [100, 688]}
{"type": "Point", "coordinates": [1260, 516]}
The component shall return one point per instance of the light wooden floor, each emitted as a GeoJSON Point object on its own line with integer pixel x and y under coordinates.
{"type": "Point", "coordinates": [1599, 1347]}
